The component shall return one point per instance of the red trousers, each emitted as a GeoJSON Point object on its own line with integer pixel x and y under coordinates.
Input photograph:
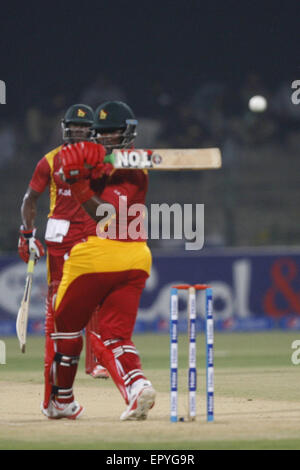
{"type": "Point", "coordinates": [54, 272]}
{"type": "Point", "coordinates": [108, 275]}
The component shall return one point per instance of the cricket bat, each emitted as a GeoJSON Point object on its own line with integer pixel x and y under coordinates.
{"type": "Point", "coordinates": [166, 159]}
{"type": "Point", "coordinates": [22, 317]}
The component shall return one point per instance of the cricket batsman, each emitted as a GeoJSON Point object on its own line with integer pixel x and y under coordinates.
{"type": "Point", "coordinates": [67, 220]}
{"type": "Point", "coordinates": [114, 127]}
{"type": "Point", "coordinates": [105, 270]}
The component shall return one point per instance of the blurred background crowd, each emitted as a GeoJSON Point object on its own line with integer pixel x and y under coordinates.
{"type": "Point", "coordinates": [252, 201]}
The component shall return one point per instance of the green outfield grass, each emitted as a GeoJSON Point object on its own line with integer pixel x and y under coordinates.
{"type": "Point", "coordinates": [257, 399]}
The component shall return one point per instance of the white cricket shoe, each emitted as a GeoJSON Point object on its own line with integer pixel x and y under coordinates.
{"type": "Point", "coordinates": [99, 372]}
{"type": "Point", "coordinates": [62, 410]}
{"type": "Point", "coordinates": [142, 399]}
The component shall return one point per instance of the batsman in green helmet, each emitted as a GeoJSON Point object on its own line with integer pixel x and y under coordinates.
{"type": "Point", "coordinates": [76, 124]}
{"type": "Point", "coordinates": [67, 221]}
{"type": "Point", "coordinates": [105, 275]}
{"type": "Point", "coordinates": [114, 125]}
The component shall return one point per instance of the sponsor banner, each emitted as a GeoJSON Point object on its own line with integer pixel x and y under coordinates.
{"type": "Point", "coordinates": [252, 291]}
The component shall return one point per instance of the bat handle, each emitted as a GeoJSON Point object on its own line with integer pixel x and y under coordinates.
{"type": "Point", "coordinates": [31, 262]}
{"type": "Point", "coordinates": [109, 158]}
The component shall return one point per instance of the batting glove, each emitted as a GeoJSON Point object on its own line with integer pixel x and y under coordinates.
{"type": "Point", "coordinates": [72, 160]}
{"type": "Point", "coordinates": [82, 160]}
{"type": "Point", "coordinates": [27, 243]}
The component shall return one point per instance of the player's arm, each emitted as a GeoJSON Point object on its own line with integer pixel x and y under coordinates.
{"type": "Point", "coordinates": [29, 208]}
{"type": "Point", "coordinates": [27, 240]}
{"type": "Point", "coordinates": [92, 207]}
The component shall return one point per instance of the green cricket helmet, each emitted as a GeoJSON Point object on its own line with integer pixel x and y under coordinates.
{"type": "Point", "coordinates": [114, 125]}
{"type": "Point", "coordinates": [81, 117]}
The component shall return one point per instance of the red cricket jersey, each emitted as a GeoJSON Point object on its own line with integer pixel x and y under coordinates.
{"type": "Point", "coordinates": [62, 204]}
{"type": "Point", "coordinates": [123, 189]}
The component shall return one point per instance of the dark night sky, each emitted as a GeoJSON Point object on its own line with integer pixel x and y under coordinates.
{"type": "Point", "coordinates": [180, 43]}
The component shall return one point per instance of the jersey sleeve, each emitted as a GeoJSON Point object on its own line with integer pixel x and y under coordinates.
{"type": "Point", "coordinates": [125, 189]}
{"type": "Point", "coordinates": [41, 176]}
{"type": "Point", "coordinates": [114, 192]}
{"type": "Point", "coordinates": [121, 186]}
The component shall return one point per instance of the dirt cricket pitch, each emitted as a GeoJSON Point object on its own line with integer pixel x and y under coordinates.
{"type": "Point", "coordinates": [257, 406]}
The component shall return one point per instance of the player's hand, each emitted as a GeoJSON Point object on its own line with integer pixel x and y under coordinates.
{"type": "Point", "coordinates": [27, 243]}
{"type": "Point", "coordinates": [94, 155]}
{"type": "Point", "coordinates": [101, 169]}
{"type": "Point", "coordinates": [72, 160]}
{"type": "Point", "coordinates": [83, 160]}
